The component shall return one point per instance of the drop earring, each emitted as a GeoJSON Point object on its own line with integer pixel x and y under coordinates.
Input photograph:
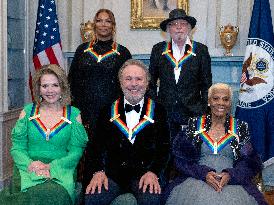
{"type": "Point", "coordinates": [40, 98]}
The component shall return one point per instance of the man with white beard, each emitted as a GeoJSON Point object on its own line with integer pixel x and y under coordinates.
{"type": "Point", "coordinates": [130, 148]}
{"type": "Point", "coordinates": [180, 71]}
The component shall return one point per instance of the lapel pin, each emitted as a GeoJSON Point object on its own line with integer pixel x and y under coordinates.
{"type": "Point", "coordinates": [165, 52]}
{"type": "Point", "coordinates": [34, 117]}
{"type": "Point", "coordinates": [199, 131]}
{"type": "Point", "coordinates": [194, 54]}
{"type": "Point", "coordinates": [66, 120]}
{"type": "Point", "coordinates": [149, 119]}
{"type": "Point", "coordinates": [114, 118]}
{"type": "Point", "coordinates": [115, 50]}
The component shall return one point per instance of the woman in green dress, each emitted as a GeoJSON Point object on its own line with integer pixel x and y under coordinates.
{"type": "Point", "coordinates": [47, 143]}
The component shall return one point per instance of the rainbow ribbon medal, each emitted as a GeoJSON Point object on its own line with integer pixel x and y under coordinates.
{"type": "Point", "coordinates": [214, 146]}
{"type": "Point", "coordinates": [46, 132]}
{"type": "Point", "coordinates": [131, 133]}
{"type": "Point", "coordinates": [177, 64]}
{"type": "Point", "coordinates": [98, 57]}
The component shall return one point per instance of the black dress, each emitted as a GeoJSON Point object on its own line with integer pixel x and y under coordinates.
{"type": "Point", "coordinates": [93, 77]}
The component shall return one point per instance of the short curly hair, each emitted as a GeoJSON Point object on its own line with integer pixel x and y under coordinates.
{"type": "Point", "coordinates": [218, 86]}
{"type": "Point", "coordinates": [62, 79]}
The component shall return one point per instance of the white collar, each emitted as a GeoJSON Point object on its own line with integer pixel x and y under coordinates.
{"type": "Point", "coordinates": [187, 42]}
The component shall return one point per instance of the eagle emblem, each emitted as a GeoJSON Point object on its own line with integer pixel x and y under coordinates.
{"type": "Point", "coordinates": [253, 72]}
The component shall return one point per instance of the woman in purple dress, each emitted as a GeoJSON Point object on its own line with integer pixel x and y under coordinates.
{"type": "Point", "coordinates": [215, 158]}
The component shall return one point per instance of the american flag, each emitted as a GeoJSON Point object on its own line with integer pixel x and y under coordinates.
{"type": "Point", "coordinates": [47, 43]}
{"type": "Point", "coordinates": [47, 47]}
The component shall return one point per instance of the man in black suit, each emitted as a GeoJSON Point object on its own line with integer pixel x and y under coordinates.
{"type": "Point", "coordinates": [183, 68]}
{"type": "Point", "coordinates": [130, 149]}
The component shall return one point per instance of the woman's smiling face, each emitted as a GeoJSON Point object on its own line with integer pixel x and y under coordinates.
{"type": "Point", "coordinates": [50, 89]}
{"type": "Point", "coordinates": [220, 102]}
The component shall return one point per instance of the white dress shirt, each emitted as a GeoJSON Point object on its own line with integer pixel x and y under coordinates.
{"type": "Point", "coordinates": [133, 117]}
{"type": "Point", "coordinates": [178, 54]}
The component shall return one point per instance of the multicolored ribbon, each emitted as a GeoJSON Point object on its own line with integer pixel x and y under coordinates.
{"type": "Point", "coordinates": [131, 133]}
{"type": "Point", "coordinates": [101, 57]}
{"type": "Point", "coordinates": [46, 132]}
{"type": "Point", "coordinates": [226, 139]}
{"type": "Point", "coordinates": [167, 52]}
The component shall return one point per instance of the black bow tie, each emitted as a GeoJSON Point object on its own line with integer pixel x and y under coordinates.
{"type": "Point", "coordinates": [129, 108]}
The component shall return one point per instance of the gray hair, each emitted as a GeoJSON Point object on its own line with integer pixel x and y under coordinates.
{"type": "Point", "coordinates": [218, 86]}
{"type": "Point", "coordinates": [134, 62]}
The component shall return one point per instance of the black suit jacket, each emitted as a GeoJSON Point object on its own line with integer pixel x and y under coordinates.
{"type": "Point", "coordinates": [188, 97]}
{"type": "Point", "coordinates": [122, 161]}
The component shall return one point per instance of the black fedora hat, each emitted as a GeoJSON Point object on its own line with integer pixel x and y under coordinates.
{"type": "Point", "coordinates": [178, 14]}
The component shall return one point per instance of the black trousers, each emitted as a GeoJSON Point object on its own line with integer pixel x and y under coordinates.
{"type": "Point", "coordinates": [114, 190]}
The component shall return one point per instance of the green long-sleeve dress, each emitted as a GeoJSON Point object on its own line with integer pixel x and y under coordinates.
{"type": "Point", "coordinates": [62, 148]}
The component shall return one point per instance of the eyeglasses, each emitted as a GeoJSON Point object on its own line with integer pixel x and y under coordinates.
{"type": "Point", "coordinates": [107, 22]}
{"type": "Point", "coordinates": [178, 23]}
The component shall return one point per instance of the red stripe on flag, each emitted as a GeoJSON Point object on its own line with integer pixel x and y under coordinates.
{"type": "Point", "coordinates": [51, 56]}
{"type": "Point", "coordinates": [36, 62]}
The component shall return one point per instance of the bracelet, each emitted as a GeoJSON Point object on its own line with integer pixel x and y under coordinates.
{"type": "Point", "coordinates": [98, 172]}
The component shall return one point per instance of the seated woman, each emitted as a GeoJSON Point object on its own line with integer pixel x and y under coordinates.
{"type": "Point", "coordinates": [214, 158]}
{"type": "Point", "coordinates": [47, 142]}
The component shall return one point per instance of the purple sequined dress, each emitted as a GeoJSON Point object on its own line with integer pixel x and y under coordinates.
{"type": "Point", "coordinates": [195, 156]}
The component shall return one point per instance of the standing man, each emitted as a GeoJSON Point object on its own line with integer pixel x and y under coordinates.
{"type": "Point", "coordinates": [130, 148]}
{"type": "Point", "coordinates": [183, 68]}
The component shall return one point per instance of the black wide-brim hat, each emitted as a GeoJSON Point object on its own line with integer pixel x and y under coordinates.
{"type": "Point", "coordinates": [178, 14]}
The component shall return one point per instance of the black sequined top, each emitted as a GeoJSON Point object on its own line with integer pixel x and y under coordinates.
{"type": "Point", "coordinates": [94, 83]}
{"type": "Point", "coordinates": [236, 144]}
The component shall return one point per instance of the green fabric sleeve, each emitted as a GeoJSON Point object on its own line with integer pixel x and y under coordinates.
{"type": "Point", "coordinates": [19, 149]}
{"type": "Point", "coordinates": [76, 147]}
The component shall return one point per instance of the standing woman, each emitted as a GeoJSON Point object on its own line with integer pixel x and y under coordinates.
{"type": "Point", "coordinates": [94, 69]}
{"type": "Point", "coordinates": [47, 143]}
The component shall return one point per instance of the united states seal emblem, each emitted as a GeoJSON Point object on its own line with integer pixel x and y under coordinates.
{"type": "Point", "coordinates": [256, 85]}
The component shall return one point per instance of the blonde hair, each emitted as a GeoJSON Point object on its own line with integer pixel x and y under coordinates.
{"type": "Point", "coordinates": [112, 18]}
{"type": "Point", "coordinates": [219, 86]}
{"type": "Point", "coordinates": [62, 79]}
